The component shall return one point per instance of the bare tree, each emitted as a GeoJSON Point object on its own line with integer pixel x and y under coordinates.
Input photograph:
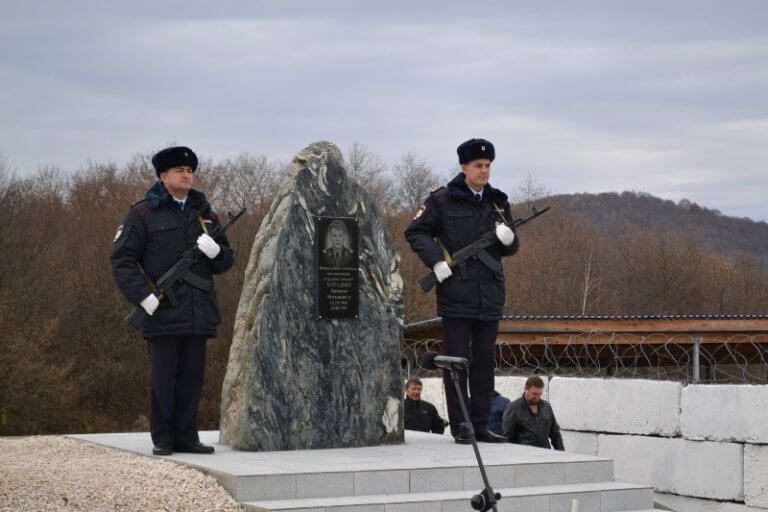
{"type": "Point", "coordinates": [529, 191]}
{"type": "Point", "coordinates": [246, 180]}
{"type": "Point", "coordinates": [415, 180]}
{"type": "Point", "coordinates": [372, 173]}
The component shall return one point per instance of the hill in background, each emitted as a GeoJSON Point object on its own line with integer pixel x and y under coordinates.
{"type": "Point", "coordinates": [611, 212]}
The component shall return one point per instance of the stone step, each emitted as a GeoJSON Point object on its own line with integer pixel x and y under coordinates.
{"type": "Point", "coordinates": [592, 497]}
{"type": "Point", "coordinates": [425, 463]}
{"type": "Point", "coordinates": [350, 481]}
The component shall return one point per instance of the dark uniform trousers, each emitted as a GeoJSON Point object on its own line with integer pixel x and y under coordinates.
{"type": "Point", "coordinates": [177, 368]}
{"type": "Point", "coordinates": [481, 353]}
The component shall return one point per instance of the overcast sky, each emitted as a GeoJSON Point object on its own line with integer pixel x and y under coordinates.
{"type": "Point", "coordinates": [667, 97]}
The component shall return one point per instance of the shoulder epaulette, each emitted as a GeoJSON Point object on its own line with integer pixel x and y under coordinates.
{"type": "Point", "coordinates": [438, 189]}
{"type": "Point", "coordinates": [137, 202]}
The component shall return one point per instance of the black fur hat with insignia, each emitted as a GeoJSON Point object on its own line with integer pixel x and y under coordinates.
{"type": "Point", "coordinates": [474, 149]}
{"type": "Point", "coordinates": [175, 156]}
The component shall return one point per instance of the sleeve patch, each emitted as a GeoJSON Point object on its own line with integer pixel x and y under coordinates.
{"type": "Point", "coordinates": [119, 232]}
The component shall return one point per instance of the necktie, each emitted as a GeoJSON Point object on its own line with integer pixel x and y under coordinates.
{"type": "Point", "coordinates": [478, 198]}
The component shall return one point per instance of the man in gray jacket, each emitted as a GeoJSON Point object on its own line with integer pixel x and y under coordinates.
{"type": "Point", "coordinates": [530, 420]}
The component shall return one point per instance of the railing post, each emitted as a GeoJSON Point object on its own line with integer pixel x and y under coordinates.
{"type": "Point", "coordinates": [696, 358]}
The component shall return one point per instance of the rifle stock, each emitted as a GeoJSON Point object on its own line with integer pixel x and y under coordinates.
{"type": "Point", "coordinates": [136, 317]}
{"type": "Point", "coordinates": [427, 281]}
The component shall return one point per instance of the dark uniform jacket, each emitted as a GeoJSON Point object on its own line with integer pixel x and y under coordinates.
{"type": "Point", "coordinates": [498, 406]}
{"type": "Point", "coordinates": [452, 215]}
{"type": "Point", "coordinates": [344, 258]}
{"type": "Point", "coordinates": [521, 426]}
{"type": "Point", "coordinates": [153, 237]}
{"type": "Point", "coordinates": [422, 416]}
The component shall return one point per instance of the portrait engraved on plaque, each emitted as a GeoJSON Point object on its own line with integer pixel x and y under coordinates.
{"type": "Point", "coordinates": [338, 280]}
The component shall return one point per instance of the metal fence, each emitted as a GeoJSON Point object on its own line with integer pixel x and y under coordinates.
{"type": "Point", "coordinates": [740, 359]}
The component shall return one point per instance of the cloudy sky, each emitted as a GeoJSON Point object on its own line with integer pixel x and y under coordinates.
{"type": "Point", "coordinates": [667, 97]}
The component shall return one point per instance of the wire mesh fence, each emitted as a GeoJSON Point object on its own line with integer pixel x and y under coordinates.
{"type": "Point", "coordinates": [739, 359]}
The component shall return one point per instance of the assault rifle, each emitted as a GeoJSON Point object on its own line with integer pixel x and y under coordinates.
{"type": "Point", "coordinates": [477, 248]}
{"type": "Point", "coordinates": [180, 272]}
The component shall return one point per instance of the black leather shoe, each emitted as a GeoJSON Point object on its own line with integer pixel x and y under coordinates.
{"type": "Point", "coordinates": [463, 438]}
{"type": "Point", "coordinates": [197, 447]}
{"type": "Point", "coordinates": [162, 449]}
{"type": "Point", "coordinates": [486, 436]}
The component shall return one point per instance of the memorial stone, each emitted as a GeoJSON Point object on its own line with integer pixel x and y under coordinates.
{"type": "Point", "coordinates": [309, 367]}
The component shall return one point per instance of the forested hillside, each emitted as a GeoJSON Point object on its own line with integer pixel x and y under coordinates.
{"type": "Point", "coordinates": [609, 212]}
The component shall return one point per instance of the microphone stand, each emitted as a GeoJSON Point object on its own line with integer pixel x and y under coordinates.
{"type": "Point", "coordinates": [487, 499]}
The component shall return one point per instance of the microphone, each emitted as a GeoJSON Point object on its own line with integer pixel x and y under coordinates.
{"type": "Point", "coordinates": [433, 360]}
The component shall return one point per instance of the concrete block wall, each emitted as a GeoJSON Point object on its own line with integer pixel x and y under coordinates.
{"type": "Point", "coordinates": [703, 447]}
{"type": "Point", "coordinates": [676, 465]}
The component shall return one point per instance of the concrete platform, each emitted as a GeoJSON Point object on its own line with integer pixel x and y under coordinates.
{"type": "Point", "coordinates": [428, 472]}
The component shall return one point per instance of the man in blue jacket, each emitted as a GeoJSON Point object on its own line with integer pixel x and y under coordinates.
{"type": "Point", "coordinates": [470, 300]}
{"type": "Point", "coordinates": [172, 218]}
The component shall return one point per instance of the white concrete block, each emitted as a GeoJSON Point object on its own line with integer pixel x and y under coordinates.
{"type": "Point", "coordinates": [686, 503]}
{"type": "Point", "coordinates": [738, 507]}
{"type": "Point", "coordinates": [692, 468]}
{"type": "Point", "coordinates": [580, 442]}
{"type": "Point", "coordinates": [756, 475]}
{"type": "Point", "coordinates": [725, 412]}
{"type": "Point", "coordinates": [631, 406]}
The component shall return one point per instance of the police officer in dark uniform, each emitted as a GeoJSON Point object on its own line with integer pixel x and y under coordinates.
{"type": "Point", "coordinates": [172, 218]}
{"type": "Point", "coordinates": [471, 300]}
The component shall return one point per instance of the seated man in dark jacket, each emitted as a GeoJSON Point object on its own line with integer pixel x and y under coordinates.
{"type": "Point", "coordinates": [530, 420]}
{"type": "Point", "coordinates": [420, 415]}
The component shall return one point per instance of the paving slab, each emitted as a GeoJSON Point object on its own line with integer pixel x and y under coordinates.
{"type": "Point", "coordinates": [420, 451]}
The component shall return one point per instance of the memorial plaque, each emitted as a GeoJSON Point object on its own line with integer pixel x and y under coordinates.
{"type": "Point", "coordinates": [338, 277]}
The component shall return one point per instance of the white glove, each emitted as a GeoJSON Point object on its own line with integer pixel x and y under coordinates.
{"type": "Point", "coordinates": [505, 235]}
{"type": "Point", "coordinates": [208, 246]}
{"type": "Point", "coordinates": [442, 271]}
{"type": "Point", "coordinates": [150, 304]}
